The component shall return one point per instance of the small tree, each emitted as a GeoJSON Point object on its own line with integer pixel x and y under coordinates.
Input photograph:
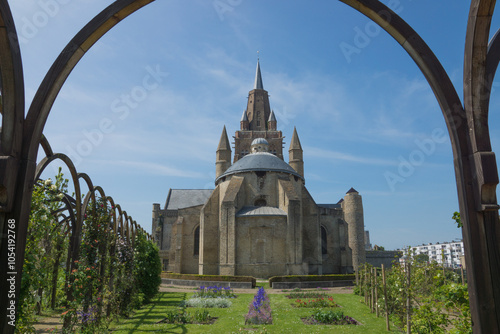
{"type": "Point", "coordinates": [147, 266]}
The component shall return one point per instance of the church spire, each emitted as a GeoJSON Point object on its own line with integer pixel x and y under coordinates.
{"type": "Point", "coordinates": [244, 121]}
{"type": "Point", "coordinates": [271, 122]}
{"type": "Point", "coordinates": [295, 154]}
{"type": "Point", "coordinates": [223, 155]}
{"type": "Point", "coordinates": [258, 78]}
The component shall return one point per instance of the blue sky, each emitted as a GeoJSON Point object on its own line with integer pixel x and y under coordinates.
{"type": "Point", "coordinates": [144, 109]}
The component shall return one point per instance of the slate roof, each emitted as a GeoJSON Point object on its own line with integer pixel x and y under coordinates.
{"type": "Point", "coordinates": [248, 211]}
{"type": "Point", "coordinates": [260, 161]}
{"type": "Point", "coordinates": [186, 198]}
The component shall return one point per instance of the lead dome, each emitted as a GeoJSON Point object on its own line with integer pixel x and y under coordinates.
{"type": "Point", "coordinates": [259, 145]}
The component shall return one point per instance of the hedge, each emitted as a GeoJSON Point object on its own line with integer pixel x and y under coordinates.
{"type": "Point", "coordinates": [311, 278]}
{"type": "Point", "coordinates": [216, 278]}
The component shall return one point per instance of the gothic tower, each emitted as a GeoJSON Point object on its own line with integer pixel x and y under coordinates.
{"type": "Point", "coordinates": [258, 121]}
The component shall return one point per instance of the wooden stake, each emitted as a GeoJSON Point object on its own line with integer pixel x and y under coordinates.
{"type": "Point", "coordinates": [408, 298]}
{"type": "Point", "coordinates": [376, 292]}
{"type": "Point", "coordinates": [388, 327]}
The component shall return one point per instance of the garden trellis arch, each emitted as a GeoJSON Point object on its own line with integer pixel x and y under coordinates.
{"type": "Point", "coordinates": [475, 164]}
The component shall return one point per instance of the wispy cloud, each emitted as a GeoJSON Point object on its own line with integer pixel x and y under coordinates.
{"type": "Point", "coordinates": [341, 156]}
{"type": "Point", "coordinates": [149, 168]}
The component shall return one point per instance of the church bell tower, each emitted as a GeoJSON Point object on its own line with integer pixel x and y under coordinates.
{"type": "Point", "coordinates": [258, 121]}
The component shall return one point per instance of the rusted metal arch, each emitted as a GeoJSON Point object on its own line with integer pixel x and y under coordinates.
{"type": "Point", "coordinates": [476, 50]}
{"type": "Point", "coordinates": [475, 165]}
{"type": "Point", "coordinates": [492, 60]}
{"type": "Point", "coordinates": [46, 146]}
{"type": "Point", "coordinates": [12, 108]}
{"type": "Point", "coordinates": [120, 220]}
{"type": "Point", "coordinates": [425, 59]}
{"type": "Point", "coordinates": [22, 135]}
{"type": "Point", "coordinates": [74, 175]}
{"type": "Point", "coordinates": [126, 229]}
{"type": "Point", "coordinates": [113, 207]}
{"type": "Point", "coordinates": [65, 63]}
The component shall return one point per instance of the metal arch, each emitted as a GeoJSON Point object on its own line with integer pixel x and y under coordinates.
{"type": "Point", "coordinates": [66, 62]}
{"type": "Point", "coordinates": [476, 50]}
{"type": "Point", "coordinates": [11, 108]}
{"type": "Point", "coordinates": [46, 146]}
{"type": "Point", "coordinates": [492, 60]}
{"type": "Point", "coordinates": [12, 85]}
{"type": "Point", "coordinates": [475, 165]}
{"type": "Point", "coordinates": [126, 230]}
{"type": "Point", "coordinates": [428, 63]}
{"type": "Point", "coordinates": [113, 207]}
{"type": "Point", "coordinates": [19, 166]}
{"type": "Point", "coordinates": [120, 221]}
{"type": "Point", "coordinates": [67, 161]}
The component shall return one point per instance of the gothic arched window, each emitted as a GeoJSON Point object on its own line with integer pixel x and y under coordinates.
{"type": "Point", "coordinates": [324, 242]}
{"type": "Point", "coordinates": [196, 241]}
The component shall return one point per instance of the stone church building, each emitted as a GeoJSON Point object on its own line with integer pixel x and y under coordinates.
{"type": "Point", "coordinates": [260, 219]}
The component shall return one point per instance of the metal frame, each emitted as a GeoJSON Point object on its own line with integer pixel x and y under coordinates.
{"type": "Point", "coordinates": [475, 163]}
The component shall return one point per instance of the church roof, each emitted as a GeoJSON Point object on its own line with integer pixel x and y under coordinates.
{"type": "Point", "coordinates": [352, 190]}
{"type": "Point", "coordinates": [260, 161]}
{"type": "Point", "coordinates": [258, 78]}
{"type": "Point", "coordinates": [186, 198]}
{"type": "Point", "coordinates": [248, 211]}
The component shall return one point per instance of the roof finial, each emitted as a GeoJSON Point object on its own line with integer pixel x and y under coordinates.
{"type": "Point", "coordinates": [258, 55]}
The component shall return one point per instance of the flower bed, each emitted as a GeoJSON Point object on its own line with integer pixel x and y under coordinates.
{"type": "Point", "coordinates": [214, 292]}
{"type": "Point", "coordinates": [318, 302]}
{"type": "Point", "coordinates": [207, 302]}
{"type": "Point", "coordinates": [259, 310]}
{"type": "Point", "coordinates": [329, 317]}
{"type": "Point", "coordinates": [182, 317]}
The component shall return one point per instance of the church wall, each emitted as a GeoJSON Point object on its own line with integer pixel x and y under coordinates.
{"type": "Point", "coordinates": [191, 220]}
{"type": "Point", "coordinates": [261, 246]}
{"type": "Point", "coordinates": [331, 220]}
{"type": "Point", "coordinates": [311, 235]}
{"type": "Point", "coordinates": [209, 236]}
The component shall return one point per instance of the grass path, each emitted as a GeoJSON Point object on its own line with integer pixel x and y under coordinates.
{"type": "Point", "coordinates": [286, 319]}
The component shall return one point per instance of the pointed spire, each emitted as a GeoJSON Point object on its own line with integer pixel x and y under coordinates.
{"type": "Point", "coordinates": [244, 121]}
{"type": "Point", "coordinates": [224, 141]}
{"type": "Point", "coordinates": [258, 78]}
{"type": "Point", "coordinates": [295, 142]}
{"type": "Point", "coordinates": [223, 154]}
{"type": "Point", "coordinates": [244, 117]}
{"type": "Point", "coordinates": [272, 118]}
{"type": "Point", "coordinates": [295, 152]}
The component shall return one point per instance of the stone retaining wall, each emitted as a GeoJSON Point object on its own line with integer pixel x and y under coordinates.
{"type": "Point", "coordinates": [196, 283]}
{"type": "Point", "coordinates": [311, 284]}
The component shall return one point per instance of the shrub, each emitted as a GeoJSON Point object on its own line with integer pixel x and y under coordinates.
{"type": "Point", "coordinates": [320, 302]}
{"type": "Point", "coordinates": [207, 302]}
{"type": "Point", "coordinates": [306, 294]}
{"type": "Point", "coordinates": [147, 266]}
{"type": "Point", "coordinates": [214, 292]}
{"type": "Point", "coordinates": [335, 317]}
{"type": "Point", "coordinates": [180, 316]}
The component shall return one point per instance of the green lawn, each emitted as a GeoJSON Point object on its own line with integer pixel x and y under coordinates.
{"type": "Point", "coordinates": [286, 319]}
